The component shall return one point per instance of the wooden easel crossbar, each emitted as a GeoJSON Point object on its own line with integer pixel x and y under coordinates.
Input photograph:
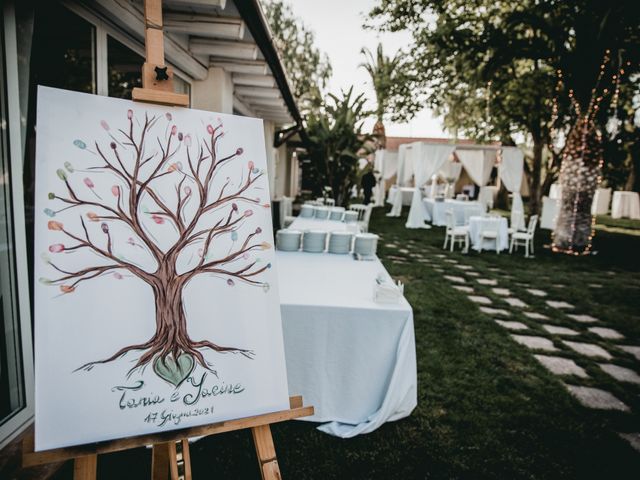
{"type": "Point", "coordinates": [170, 454]}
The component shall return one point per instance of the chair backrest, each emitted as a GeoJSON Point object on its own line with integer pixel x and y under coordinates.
{"type": "Point", "coordinates": [286, 207]}
{"type": "Point", "coordinates": [450, 220]}
{"type": "Point", "coordinates": [533, 221]}
{"type": "Point", "coordinates": [367, 213]}
{"type": "Point", "coordinates": [360, 208]}
{"type": "Point", "coordinates": [320, 200]}
{"type": "Point", "coordinates": [330, 201]}
{"type": "Point", "coordinates": [462, 196]}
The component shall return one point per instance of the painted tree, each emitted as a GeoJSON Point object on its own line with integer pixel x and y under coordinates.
{"type": "Point", "coordinates": [144, 159]}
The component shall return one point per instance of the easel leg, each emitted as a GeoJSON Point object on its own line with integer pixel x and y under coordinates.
{"type": "Point", "coordinates": [167, 460]}
{"type": "Point", "coordinates": [85, 468]}
{"type": "Point", "coordinates": [266, 452]}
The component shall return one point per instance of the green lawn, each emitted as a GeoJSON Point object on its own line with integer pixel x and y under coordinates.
{"type": "Point", "coordinates": [486, 407]}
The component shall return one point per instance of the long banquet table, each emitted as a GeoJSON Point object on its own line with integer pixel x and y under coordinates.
{"type": "Point", "coordinates": [351, 358]}
{"type": "Point", "coordinates": [436, 211]}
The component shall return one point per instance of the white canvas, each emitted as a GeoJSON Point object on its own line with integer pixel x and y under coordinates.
{"type": "Point", "coordinates": [126, 284]}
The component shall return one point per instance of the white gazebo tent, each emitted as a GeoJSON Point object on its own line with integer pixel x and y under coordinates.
{"type": "Point", "coordinates": [423, 160]}
{"type": "Point", "coordinates": [386, 163]}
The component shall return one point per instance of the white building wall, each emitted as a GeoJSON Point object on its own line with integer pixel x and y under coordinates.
{"type": "Point", "coordinates": [214, 93]}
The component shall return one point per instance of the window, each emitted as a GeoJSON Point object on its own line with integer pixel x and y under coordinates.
{"type": "Point", "coordinates": [125, 69]}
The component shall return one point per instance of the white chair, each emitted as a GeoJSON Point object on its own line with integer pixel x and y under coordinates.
{"type": "Point", "coordinates": [516, 220]}
{"type": "Point", "coordinates": [286, 212]}
{"type": "Point", "coordinates": [364, 214]}
{"type": "Point", "coordinates": [455, 234]}
{"type": "Point", "coordinates": [488, 235]}
{"type": "Point", "coordinates": [462, 197]}
{"type": "Point", "coordinates": [525, 238]}
{"type": "Point", "coordinates": [330, 202]}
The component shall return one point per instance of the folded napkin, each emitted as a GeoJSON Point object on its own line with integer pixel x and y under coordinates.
{"type": "Point", "coordinates": [385, 291]}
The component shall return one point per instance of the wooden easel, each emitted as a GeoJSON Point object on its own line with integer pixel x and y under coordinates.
{"type": "Point", "coordinates": [170, 454]}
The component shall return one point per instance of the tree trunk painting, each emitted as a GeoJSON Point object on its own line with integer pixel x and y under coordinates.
{"type": "Point", "coordinates": [139, 162]}
{"type": "Point", "coordinates": [579, 177]}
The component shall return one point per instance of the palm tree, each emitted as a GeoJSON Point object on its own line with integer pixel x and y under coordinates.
{"type": "Point", "coordinates": [383, 70]}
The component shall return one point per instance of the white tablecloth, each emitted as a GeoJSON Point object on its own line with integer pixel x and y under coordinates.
{"type": "Point", "coordinates": [549, 213]}
{"type": "Point", "coordinates": [436, 211]}
{"type": "Point", "coordinates": [555, 191]}
{"type": "Point", "coordinates": [407, 194]}
{"type": "Point", "coordinates": [496, 224]}
{"type": "Point", "coordinates": [601, 201]}
{"type": "Point", "coordinates": [626, 205]}
{"type": "Point", "coordinates": [328, 226]}
{"type": "Point", "coordinates": [351, 358]}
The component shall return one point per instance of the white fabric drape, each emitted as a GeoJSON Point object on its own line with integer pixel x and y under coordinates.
{"type": "Point", "coordinates": [386, 164]}
{"type": "Point", "coordinates": [510, 170]}
{"type": "Point", "coordinates": [478, 164]}
{"type": "Point", "coordinates": [428, 159]}
{"type": "Point", "coordinates": [396, 209]}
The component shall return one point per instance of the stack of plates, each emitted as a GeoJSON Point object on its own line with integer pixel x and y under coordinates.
{"type": "Point", "coordinates": [337, 213]}
{"type": "Point", "coordinates": [288, 240]}
{"type": "Point", "coordinates": [314, 241]}
{"type": "Point", "coordinates": [340, 242]}
{"type": "Point", "coordinates": [307, 211]}
{"type": "Point", "coordinates": [350, 216]}
{"type": "Point", "coordinates": [322, 213]}
{"type": "Point", "coordinates": [366, 244]}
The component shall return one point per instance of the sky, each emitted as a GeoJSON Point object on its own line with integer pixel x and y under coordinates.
{"type": "Point", "coordinates": [337, 25]}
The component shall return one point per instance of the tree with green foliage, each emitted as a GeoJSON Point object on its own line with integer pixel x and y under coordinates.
{"type": "Point", "coordinates": [508, 56]}
{"type": "Point", "coordinates": [336, 145]}
{"type": "Point", "coordinates": [308, 69]}
{"type": "Point", "coordinates": [394, 84]}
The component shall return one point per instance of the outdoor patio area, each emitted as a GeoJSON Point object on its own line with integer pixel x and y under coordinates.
{"type": "Point", "coordinates": [522, 371]}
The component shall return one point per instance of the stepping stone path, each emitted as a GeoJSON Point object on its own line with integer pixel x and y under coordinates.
{"type": "Point", "coordinates": [596, 398]}
{"type": "Point", "coordinates": [588, 349]}
{"type": "Point", "coordinates": [633, 439]}
{"type": "Point", "coordinates": [515, 302]}
{"type": "Point", "coordinates": [480, 299]}
{"type": "Point", "coordinates": [561, 366]}
{"type": "Point", "coordinates": [554, 330]}
{"type": "Point", "coordinates": [512, 325]}
{"type": "Point", "coordinates": [487, 281]}
{"type": "Point", "coordinates": [535, 343]}
{"type": "Point", "coordinates": [453, 278]}
{"type": "Point", "coordinates": [620, 373]}
{"type": "Point", "coordinates": [501, 291]}
{"type": "Point", "coordinates": [495, 311]}
{"type": "Point", "coordinates": [535, 316]}
{"type": "Point", "coordinates": [609, 333]}
{"type": "Point", "coordinates": [463, 288]}
{"type": "Point", "coordinates": [582, 318]}
{"type": "Point", "coordinates": [558, 304]}
{"type": "Point", "coordinates": [633, 350]}
{"type": "Point", "coordinates": [536, 292]}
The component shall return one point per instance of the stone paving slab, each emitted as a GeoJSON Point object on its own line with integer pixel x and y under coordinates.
{"type": "Point", "coordinates": [480, 299]}
{"type": "Point", "coordinates": [588, 349]}
{"type": "Point", "coordinates": [559, 304]}
{"type": "Point", "coordinates": [453, 278]}
{"type": "Point", "coordinates": [632, 349]}
{"type": "Point", "coordinates": [404, 250]}
{"type": "Point", "coordinates": [561, 366]}
{"type": "Point", "coordinates": [463, 288]}
{"type": "Point", "coordinates": [535, 343]}
{"type": "Point", "coordinates": [558, 285]}
{"type": "Point", "coordinates": [582, 318]}
{"type": "Point", "coordinates": [472, 273]}
{"type": "Point", "coordinates": [495, 311]}
{"type": "Point", "coordinates": [512, 325]}
{"type": "Point", "coordinates": [596, 398]}
{"type": "Point", "coordinates": [620, 373]}
{"type": "Point", "coordinates": [487, 281]}
{"type": "Point", "coordinates": [451, 260]}
{"type": "Point", "coordinates": [501, 291]}
{"type": "Point", "coordinates": [608, 333]}
{"type": "Point", "coordinates": [595, 285]}
{"type": "Point", "coordinates": [515, 302]}
{"type": "Point", "coordinates": [555, 330]}
{"type": "Point", "coordinates": [536, 292]}
{"type": "Point", "coordinates": [535, 315]}
{"type": "Point", "coordinates": [464, 267]}
{"type": "Point", "coordinates": [633, 439]}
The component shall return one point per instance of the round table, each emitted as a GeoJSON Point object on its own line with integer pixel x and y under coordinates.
{"type": "Point", "coordinates": [478, 224]}
{"type": "Point", "coordinates": [626, 205]}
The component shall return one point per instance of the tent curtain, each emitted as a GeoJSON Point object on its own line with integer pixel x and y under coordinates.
{"type": "Point", "coordinates": [451, 170]}
{"type": "Point", "coordinates": [478, 164]}
{"type": "Point", "coordinates": [510, 170]}
{"type": "Point", "coordinates": [428, 159]}
{"type": "Point", "coordinates": [386, 164]}
{"type": "Point", "coordinates": [396, 208]}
